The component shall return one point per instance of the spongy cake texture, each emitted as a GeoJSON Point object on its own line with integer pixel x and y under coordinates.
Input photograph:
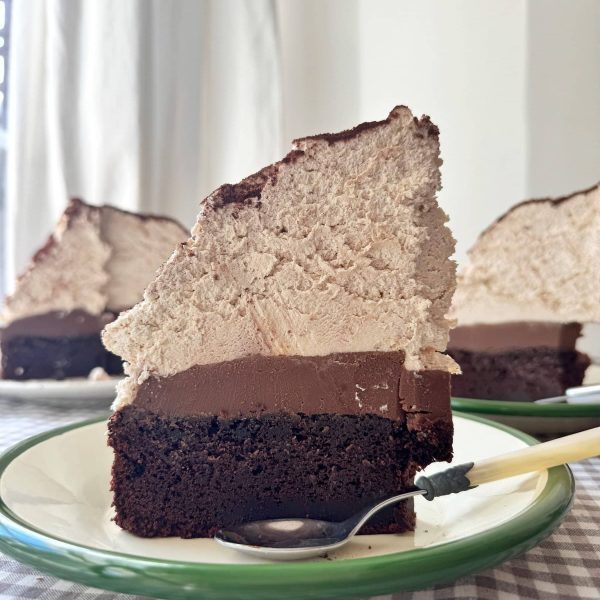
{"type": "Point", "coordinates": [538, 262]}
{"type": "Point", "coordinates": [340, 247]}
{"type": "Point", "coordinates": [98, 258]}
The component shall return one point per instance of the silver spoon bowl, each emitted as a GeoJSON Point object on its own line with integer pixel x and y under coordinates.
{"type": "Point", "coordinates": [292, 539]}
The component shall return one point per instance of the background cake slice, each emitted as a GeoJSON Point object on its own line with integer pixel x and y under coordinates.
{"type": "Point", "coordinates": [287, 359]}
{"type": "Point", "coordinates": [96, 263]}
{"type": "Point", "coordinates": [531, 281]}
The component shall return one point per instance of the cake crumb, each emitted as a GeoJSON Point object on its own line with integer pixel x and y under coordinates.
{"type": "Point", "coordinates": [358, 400]}
{"type": "Point", "coordinates": [98, 374]}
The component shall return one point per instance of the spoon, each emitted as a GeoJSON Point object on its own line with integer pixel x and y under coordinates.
{"type": "Point", "coordinates": [296, 538]}
{"type": "Point", "coordinates": [583, 394]}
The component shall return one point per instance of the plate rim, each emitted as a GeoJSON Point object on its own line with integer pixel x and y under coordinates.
{"type": "Point", "coordinates": [523, 409]}
{"type": "Point", "coordinates": [71, 392]}
{"type": "Point", "coordinates": [354, 577]}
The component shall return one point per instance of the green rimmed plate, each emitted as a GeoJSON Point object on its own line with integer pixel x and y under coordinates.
{"type": "Point", "coordinates": [544, 419]}
{"type": "Point", "coordinates": [537, 419]}
{"type": "Point", "coordinates": [55, 515]}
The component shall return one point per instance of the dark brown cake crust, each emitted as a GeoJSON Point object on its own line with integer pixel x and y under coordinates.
{"type": "Point", "coordinates": [524, 374]}
{"type": "Point", "coordinates": [188, 476]}
{"type": "Point", "coordinates": [34, 357]}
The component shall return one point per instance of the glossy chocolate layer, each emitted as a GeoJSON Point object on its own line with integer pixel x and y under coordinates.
{"type": "Point", "coordinates": [346, 383]}
{"type": "Point", "coordinates": [514, 335]}
{"type": "Point", "coordinates": [57, 324]}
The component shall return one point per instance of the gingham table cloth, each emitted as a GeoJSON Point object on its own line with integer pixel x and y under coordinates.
{"type": "Point", "coordinates": [566, 565]}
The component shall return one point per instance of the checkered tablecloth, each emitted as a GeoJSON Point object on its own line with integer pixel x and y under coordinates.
{"type": "Point", "coordinates": [566, 565]}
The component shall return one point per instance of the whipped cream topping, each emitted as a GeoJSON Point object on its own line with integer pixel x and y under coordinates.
{"type": "Point", "coordinates": [98, 258]}
{"type": "Point", "coordinates": [340, 247]}
{"type": "Point", "coordinates": [538, 262]}
{"type": "Point", "coordinates": [67, 273]}
{"type": "Point", "coordinates": [139, 245]}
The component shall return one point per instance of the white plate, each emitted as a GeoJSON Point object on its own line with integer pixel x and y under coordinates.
{"type": "Point", "coordinates": [75, 392]}
{"type": "Point", "coordinates": [55, 504]}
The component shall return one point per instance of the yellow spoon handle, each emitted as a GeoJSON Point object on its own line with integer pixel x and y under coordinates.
{"type": "Point", "coordinates": [532, 458]}
{"type": "Point", "coordinates": [536, 458]}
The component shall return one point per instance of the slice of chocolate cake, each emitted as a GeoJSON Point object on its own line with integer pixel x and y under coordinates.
{"type": "Point", "coordinates": [516, 360]}
{"type": "Point", "coordinates": [532, 279]}
{"type": "Point", "coordinates": [286, 361]}
{"type": "Point", "coordinates": [96, 263]}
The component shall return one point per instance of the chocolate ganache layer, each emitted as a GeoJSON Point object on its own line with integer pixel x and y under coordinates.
{"type": "Point", "coordinates": [343, 383]}
{"type": "Point", "coordinates": [513, 335]}
{"type": "Point", "coordinates": [56, 323]}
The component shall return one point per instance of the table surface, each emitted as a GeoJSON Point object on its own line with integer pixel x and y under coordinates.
{"type": "Point", "coordinates": [566, 565]}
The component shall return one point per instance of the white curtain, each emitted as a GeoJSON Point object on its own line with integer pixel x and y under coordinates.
{"type": "Point", "coordinates": [144, 104]}
{"type": "Point", "coordinates": [151, 104]}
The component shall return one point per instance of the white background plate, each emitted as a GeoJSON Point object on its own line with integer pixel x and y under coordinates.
{"type": "Point", "coordinates": [76, 392]}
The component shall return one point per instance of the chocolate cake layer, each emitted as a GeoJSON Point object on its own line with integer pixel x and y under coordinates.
{"type": "Point", "coordinates": [523, 375]}
{"type": "Point", "coordinates": [514, 335]}
{"type": "Point", "coordinates": [57, 324]}
{"type": "Point", "coordinates": [56, 345]}
{"type": "Point", "coordinates": [188, 476]}
{"type": "Point", "coordinates": [30, 357]}
{"type": "Point", "coordinates": [344, 383]}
